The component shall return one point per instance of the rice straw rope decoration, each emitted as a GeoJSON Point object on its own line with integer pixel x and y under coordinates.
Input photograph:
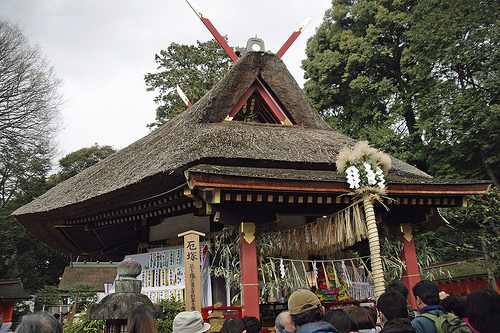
{"type": "Point", "coordinates": [324, 236]}
{"type": "Point", "coordinates": [315, 270]}
{"type": "Point", "coordinates": [366, 168]}
{"type": "Point", "coordinates": [368, 272]}
{"type": "Point", "coordinates": [337, 282]}
{"type": "Point", "coordinates": [327, 280]}
{"type": "Point", "coordinates": [304, 268]}
{"type": "Point", "coordinates": [347, 275]}
{"type": "Point", "coordinates": [296, 275]}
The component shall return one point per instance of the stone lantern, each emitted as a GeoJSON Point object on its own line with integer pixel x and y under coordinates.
{"type": "Point", "coordinates": [116, 308]}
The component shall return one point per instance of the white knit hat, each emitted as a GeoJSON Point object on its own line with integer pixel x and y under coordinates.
{"type": "Point", "coordinates": [189, 322]}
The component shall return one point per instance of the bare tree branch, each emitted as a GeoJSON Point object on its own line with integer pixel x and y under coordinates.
{"type": "Point", "coordinates": [29, 112]}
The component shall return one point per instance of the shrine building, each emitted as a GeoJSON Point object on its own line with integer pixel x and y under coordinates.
{"type": "Point", "coordinates": [252, 152]}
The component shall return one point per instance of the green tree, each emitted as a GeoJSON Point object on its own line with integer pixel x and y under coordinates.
{"type": "Point", "coordinates": [83, 293]}
{"type": "Point", "coordinates": [355, 77]}
{"type": "Point", "coordinates": [171, 308]}
{"type": "Point", "coordinates": [459, 41]}
{"type": "Point", "coordinates": [416, 78]}
{"type": "Point", "coordinates": [22, 255]}
{"type": "Point", "coordinates": [82, 324]}
{"type": "Point", "coordinates": [79, 160]}
{"type": "Point", "coordinates": [196, 69]}
{"type": "Point", "coordinates": [419, 79]}
{"type": "Point", "coordinates": [482, 219]}
{"type": "Point", "coordinates": [47, 296]}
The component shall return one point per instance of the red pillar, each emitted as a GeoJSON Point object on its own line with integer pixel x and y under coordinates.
{"type": "Point", "coordinates": [249, 274]}
{"type": "Point", "coordinates": [411, 276]}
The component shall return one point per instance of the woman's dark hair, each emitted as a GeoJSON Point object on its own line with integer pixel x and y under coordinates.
{"type": "Point", "coordinates": [40, 322]}
{"type": "Point", "coordinates": [363, 318]}
{"type": "Point", "coordinates": [141, 320]}
{"type": "Point", "coordinates": [373, 311]}
{"type": "Point", "coordinates": [310, 316]}
{"type": "Point", "coordinates": [483, 310]}
{"type": "Point", "coordinates": [454, 303]}
{"type": "Point", "coordinates": [341, 320]}
{"type": "Point", "coordinates": [233, 325]}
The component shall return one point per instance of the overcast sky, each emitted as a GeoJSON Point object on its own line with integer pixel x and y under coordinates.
{"type": "Point", "coordinates": [101, 49]}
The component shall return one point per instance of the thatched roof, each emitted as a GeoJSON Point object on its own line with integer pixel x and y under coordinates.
{"type": "Point", "coordinates": [201, 134]}
{"type": "Point", "coordinates": [12, 290]}
{"type": "Point", "coordinates": [156, 163]}
{"type": "Point", "coordinates": [95, 274]}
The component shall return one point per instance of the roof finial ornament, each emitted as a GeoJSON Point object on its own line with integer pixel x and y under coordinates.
{"type": "Point", "coordinates": [213, 31]}
{"type": "Point", "coordinates": [253, 44]}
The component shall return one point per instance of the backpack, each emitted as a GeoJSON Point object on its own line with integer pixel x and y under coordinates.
{"type": "Point", "coordinates": [448, 323]}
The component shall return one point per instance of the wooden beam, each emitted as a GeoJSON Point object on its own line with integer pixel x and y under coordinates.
{"type": "Point", "coordinates": [199, 179]}
{"type": "Point", "coordinates": [213, 31]}
{"type": "Point", "coordinates": [294, 36]}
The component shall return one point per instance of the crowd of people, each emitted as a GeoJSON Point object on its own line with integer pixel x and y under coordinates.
{"type": "Point", "coordinates": [477, 312]}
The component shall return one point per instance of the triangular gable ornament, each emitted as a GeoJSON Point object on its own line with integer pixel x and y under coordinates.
{"type": "Point", "coordinates": [258, 104]}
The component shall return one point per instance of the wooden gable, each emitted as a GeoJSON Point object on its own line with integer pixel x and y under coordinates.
{"type": "Point", "coordinates": [259, 105]}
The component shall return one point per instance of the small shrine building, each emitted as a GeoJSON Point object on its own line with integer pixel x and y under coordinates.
{"type": "Point", "coordinates": [11, 292]}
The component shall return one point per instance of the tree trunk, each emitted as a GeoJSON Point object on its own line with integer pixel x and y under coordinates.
{"type": "Point", "coordinates": [488, 168]}
{"type": "Point", "coordinates": [374, 243]}
{"type": "Point", "coordinates": [490, 276]}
